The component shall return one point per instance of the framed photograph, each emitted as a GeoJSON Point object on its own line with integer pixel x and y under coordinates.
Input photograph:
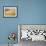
{"type": "Point", "coordinates": [33, 32]}
{"type": "Point", "coordinates": [10, 11]}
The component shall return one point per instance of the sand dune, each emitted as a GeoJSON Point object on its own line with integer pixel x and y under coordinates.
{"type": "Point", "coordinates": [10, 12]}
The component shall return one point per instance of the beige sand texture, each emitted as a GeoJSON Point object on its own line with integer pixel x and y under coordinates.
{"type": "Point", "coordinates": [10, 12]}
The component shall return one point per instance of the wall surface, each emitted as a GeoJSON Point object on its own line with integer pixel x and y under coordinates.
{"type": "Point", "coordinates": [29, 12]}
{"type": "Point", "coordinates": [7, 25]}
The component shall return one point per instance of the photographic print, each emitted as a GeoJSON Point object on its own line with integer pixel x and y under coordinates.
{"type": "Point", "coordinates": [32, 32]}
{"type": "Point", "coordinates": [10, 11]}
